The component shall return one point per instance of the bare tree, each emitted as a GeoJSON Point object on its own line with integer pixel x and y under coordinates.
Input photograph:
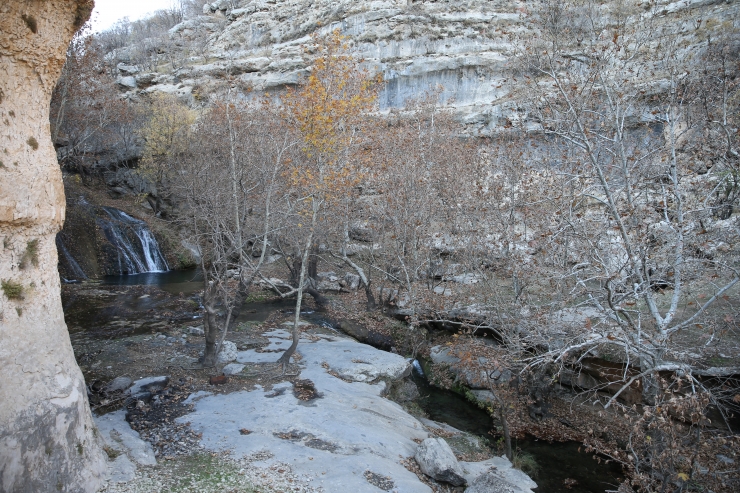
{"type": "Point", "coordinates": [228, 180]}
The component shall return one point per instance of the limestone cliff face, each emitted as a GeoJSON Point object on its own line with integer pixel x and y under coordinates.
{"type": "Point", "coordinates": [462, 46]}
{"type": "Point", "coordinates": [47, 437]}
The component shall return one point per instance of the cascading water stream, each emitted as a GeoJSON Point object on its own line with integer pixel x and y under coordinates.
{"type": "Point", "coordinates": [138, 250]}
{"type": "Point", "coordinates": [74, 267]}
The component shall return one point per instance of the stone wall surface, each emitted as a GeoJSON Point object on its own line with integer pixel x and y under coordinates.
{"type": "Point", "coordinates": [47, 437]}
{"type": "Point", "coordinates": [464, 49]}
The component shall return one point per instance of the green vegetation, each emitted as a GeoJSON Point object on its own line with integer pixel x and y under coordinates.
{"type": "Point", "coordinates": [259, 296]}
{"type": "Point", "coordinates": [31, 254]}
{"type": "Point", "coordinates": [205, 473]}
{"type": "Point", "coordinates": [111, 452]}
{"type": "Point", "coordinates": [13, 290]}
{"type": "Point", "coordinates": [526, 463]}
{"type": "Point", "coordinates": [719, 361]}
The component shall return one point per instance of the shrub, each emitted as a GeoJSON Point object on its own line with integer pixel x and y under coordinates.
{"type": "Point", "coordinates": [526, 463]}
{"type": "Point", "coordinates": [12, 289]}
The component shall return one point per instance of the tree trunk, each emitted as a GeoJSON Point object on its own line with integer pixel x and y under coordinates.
{"type": "Point", "coordinates": [284, 360]}
{"type": "Point", "coordinates": [313, 263]}
{"type": "Point", "coordinates": [505, 429]}
{"type": "Point", "coordinates": [47, 436]}
{"type": "Point", "coordinates": [371, 304]}
{"type": "Point", "coordinates": [210, 327]}
{"type": "Point", "coordinates": [502, 418]}
{"type": "Point", "coordinates": [322, 302]}
{"type": "Point", "coordinates": [650, 385]}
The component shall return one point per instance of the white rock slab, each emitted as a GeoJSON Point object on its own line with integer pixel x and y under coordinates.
{"type": "Point", "coordinates": [354, 428]}
{"type": "Point", "coordinates": [121, 470]}
{"type": "Point", "coordinates": [355, 361]}
{"type": "Point", "coordinates": [118, 435]}
{"type": "Point", "coordinates": [252, 356]}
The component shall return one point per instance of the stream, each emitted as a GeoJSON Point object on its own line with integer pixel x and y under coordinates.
{"type": "Point", "coordinates": [557, 461]}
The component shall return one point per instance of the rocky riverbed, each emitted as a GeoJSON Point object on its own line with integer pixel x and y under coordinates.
{"type": "Point", "coordinates": [326, 424]}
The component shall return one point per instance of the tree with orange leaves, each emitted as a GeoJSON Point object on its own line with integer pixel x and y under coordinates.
{"type": "Point", "coordinates": [328, 111]}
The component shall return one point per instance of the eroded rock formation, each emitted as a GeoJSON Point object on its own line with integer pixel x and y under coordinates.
{"type": "Point", "coordinates": [464, 48]}
{"type": "Point", "coordinates": [47, 437]}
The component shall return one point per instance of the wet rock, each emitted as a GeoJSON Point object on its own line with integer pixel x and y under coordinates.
{"type": "Point", "coordinates": [149, 384]}
{"type": "Point", "coordinates": [228, 353]}
{"type": "Point", "coordinates": [436, 460]}
{"type": "Point", "coordinates": [118, 384]}
{"type": "Point", "coordinates": [363, 334]}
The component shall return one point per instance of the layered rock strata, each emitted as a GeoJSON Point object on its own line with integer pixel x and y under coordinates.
{"type": "Point", "coordinates": [464, 49]}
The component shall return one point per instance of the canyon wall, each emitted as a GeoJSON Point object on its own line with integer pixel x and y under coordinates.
{"type": "Point", "coordinates": [463, 48]}
{"type": "Point", "coordinates": [48, 441]}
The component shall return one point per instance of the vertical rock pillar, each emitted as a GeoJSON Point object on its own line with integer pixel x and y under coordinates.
{"type": "Point", "coordinates": [47, 438]}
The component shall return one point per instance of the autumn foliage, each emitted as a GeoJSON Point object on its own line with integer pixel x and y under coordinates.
{"type": "Point", "coordinates": [329, 110]}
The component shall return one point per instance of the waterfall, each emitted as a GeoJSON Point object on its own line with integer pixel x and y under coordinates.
{"type": "Point", "coordinates": [137, 249]}
{"type": "Point", "coordinates": [74, 267]}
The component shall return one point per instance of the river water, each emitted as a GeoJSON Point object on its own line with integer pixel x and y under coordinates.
{"type": "Point", "coordinates": [557, 462]}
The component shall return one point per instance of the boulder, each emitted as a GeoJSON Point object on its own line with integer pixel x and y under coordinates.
{"type": "Point", "coordinates": [118, 384]}
{"type": "Point", "coordinates": [355, 248]}
{"type": "Point", "coordinates": [351, 281]}
{"type": "Point", "coordinates": [131, 180]}
{"type": "Point", "coordinates": [126, 83]}
{"type": "Point", "coordinates": [496, 475]}
{"type": "Point", "coordinates": [327, 281]}
{"type": "Point", "coordinates": [490, 482]}
{"type": "Point", "coordinates": [233, 369]}
{"type": "Point", "coordinates": [196, 331]}
{"type": "Point", "coordinates": [145, 80]}
{"type": "Point", "coordinates": [362, 232]}
{"type": "Point", "coordinates": [227, 354]}
{"type": "Point", "coordinates": [149, 384]}
{"type": "Point", "coordinates": [127, 69]}
{"type": "Point", "coordinates": [436, 460]}
{"type": "Point", "coordinates": [328, 286]}
{"type": "Point", "coordinates": [405, 391]}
